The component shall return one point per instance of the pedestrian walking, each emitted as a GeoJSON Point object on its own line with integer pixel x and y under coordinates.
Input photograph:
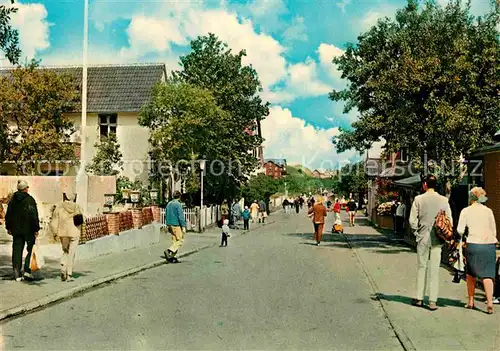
{"type": "Point", "coordinates": [262, 211]}
{"type": "Point", "coordinates": [351, 211]}
{"type": "Point", "coordinates": [225, 233]}
{"type": "Point", "coordinates": [176, 225]}
{"type": "Point", "coordinates": [394, 208]}
{"type": "Point", "coordinates": [319, 214]}
{"type": "Point", "coordinates": [400, 217]}
{"type": "Point", "coordinates": [424, 211]}
{"type": "Point", "coordinates": [481, 245]}
{"type": "Point", "coordinates": [224, 211]}
{"type": "Point", "coordinates": [66, 226]}
{"type": "Point", "coordinates": [254, 211]}
{"type": "Point", "coordinates": [336, 210]}
{"type": "Point", "coordinates": [236, 213]}
{"type": "Point", "coordinates": [246, 218]}
{"type": "Point", "coordinates": [22, 222]}
{"type": "Point", "coordinates": [297, 205]}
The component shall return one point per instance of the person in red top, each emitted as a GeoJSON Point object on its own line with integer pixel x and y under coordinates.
{"type": "Point", "coordinates": [318, 212]}
{"type": "Point", "coordinates": [336, 209]}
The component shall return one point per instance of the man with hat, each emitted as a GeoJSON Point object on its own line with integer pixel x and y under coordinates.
{"type": "Point", "coordinates": [176, 225]}
{"type": "Point", "coordinates": [22, 222]}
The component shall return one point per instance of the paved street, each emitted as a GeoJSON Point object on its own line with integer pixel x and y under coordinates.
{"type": "Point", "coordinates": [269, 289]}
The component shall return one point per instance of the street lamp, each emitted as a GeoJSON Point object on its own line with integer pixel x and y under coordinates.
{"type": "Point", "coordinates": [202, 169]}
{"type": "Point", "coordinates": [109, 200]}
{"type": "Point", "coordinates": [134, 197]}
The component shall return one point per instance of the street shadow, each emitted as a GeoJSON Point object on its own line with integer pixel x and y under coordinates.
{"type": "Point", "coordinates": [51, 270]}
{"type": "Point", "coordinates": [442, 302]}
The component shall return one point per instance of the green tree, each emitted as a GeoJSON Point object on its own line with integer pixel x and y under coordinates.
{"type": "Point", "coordinates": [9, 37]}
{"type": "Point", "coordinates": [260, 187]}
{"type": "Point", "coordinates": [108, 158]}
{"type": "Point", "coordinates": [34, 102]}
{"type": "Point", "coordinates": [187, 124]}
{"type": "Point", "coordinates": [353, 179]}
{"type": "Point", "coordinates": [426, 82]}
{"type": "Point", "coordinates": [211, 65]}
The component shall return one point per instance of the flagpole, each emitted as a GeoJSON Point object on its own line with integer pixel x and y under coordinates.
{"type": "Point", "coordinates": [82, 178]}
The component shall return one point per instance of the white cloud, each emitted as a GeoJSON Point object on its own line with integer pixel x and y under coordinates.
{"type": "Point", "coordinates": [296, 31]}
{"type": "Point", "coordinates": [289, 137]}
{"type": "Point", "coordinates": [342, 4]}
{"type": "Point", "coordinates": [31, 22]}
{"type": "Point", "coordinates": [371, 17]}
{"type": "Point", "coordinates": [327, 53]}
{"type": "Point", "coordinates": [151, 34]}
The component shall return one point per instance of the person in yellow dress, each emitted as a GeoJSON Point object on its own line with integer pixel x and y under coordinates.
{"type": "Point", "coordinates": [254, 211]}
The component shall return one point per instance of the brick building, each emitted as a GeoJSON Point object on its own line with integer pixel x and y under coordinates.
{"type": "Point", "coordinates": [489, 168]}
{"type": "Point", "coordinates": [275, 168]}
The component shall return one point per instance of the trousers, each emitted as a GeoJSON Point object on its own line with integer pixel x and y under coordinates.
{"type": "Point", "coordinates": [224, 239]}
{"type": "Point", "coordinates": [177, 236]}
{"type": "Point", "coordinates": [428, 261]}
{"type": "Point", "coordinates": [18, 244]}
{"type": "Point", "coordinates": [246, 224]}
{"type": "Point", "coordinates": [69, 246]}
{"type": "Point", "coordinates": [318, 231]}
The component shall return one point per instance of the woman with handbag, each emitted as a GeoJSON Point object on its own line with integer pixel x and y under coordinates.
{"type": "Point", "coordinates": [66, 224]}
{"type": "Point", "coordinates": [481, 245]}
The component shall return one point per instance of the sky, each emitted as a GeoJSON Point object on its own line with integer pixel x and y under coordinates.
{"type": "Point", "coordinates": [290, 43]}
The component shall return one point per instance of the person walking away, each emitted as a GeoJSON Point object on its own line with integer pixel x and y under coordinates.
{"type": "Point", "coordinates": [236, 214]}
{"type": "Point", "coordinates": [319, 213]}
{"type": "Point", "coordinates": [351, 211]}
{"type": "Point", "coordinates": [336, 210]}
{"type": "Point", "coordinates": [176, 225]}
{"type": "Point", "coordinates": [66, 225]}
{"type": "Point", "coordinates": [224, 211]}
{"type": "Point", "coordinates": [225, 233]}
{"type": "Point", "coordinates": [400, 217]}
{"type": "Point", "coordinates": [394, 208]}
{"type": "Point", "coordinates": [481, 245]}
{"type": "Point", "coordinates": [262, 211]}
{"type": "Point", "coordinates": [297, 205]}
{"type": "Point", "coordinates": [424, 211]}
{"type": "Point", "coordinates": [301, 200]}
{"type": "Point", "coordinates": [22, 222]}
{"type": "Point", "coordinates": [254, 211]}
{"type": "Point", "coordinates": [246, 218]}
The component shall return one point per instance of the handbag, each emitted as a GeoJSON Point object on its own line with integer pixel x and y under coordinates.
{"type": "Point", "coordinates": [78, 220]}
{"type": "Point", "coordinates": [37, 259]}
{"type": "Point", "coordinates": [443, 227]}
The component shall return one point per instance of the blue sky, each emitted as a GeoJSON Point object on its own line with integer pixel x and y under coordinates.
{"type": "Point", "coordinates": [289, 43]}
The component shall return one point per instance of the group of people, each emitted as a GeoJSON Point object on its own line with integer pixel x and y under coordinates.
{"type": "Point", "coordinates": [23, 223]}
{"type": "Point", "coordinates": [476, 220]}
{"type": "Point", "coordinates": [296, 203]}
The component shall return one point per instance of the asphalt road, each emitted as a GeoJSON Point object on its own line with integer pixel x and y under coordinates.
{"type": "Point", "coordinates": [269, 289]}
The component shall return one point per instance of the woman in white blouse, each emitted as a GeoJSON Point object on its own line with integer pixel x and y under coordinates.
{"type": "Point", "coordinates": [481, 245]}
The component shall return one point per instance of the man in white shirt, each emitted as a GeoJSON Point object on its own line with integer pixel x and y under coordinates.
{"type": "Point", "coordinates": [423, 214]}
{"type": "Point", "coordinates": [400, 217]}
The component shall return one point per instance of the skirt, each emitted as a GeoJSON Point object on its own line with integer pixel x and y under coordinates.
{"type": "Point", "coordinates": [481, 260]}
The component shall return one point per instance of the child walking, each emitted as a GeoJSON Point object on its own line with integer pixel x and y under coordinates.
{"type": "Point", "coordinates": [246, 218]}
{"type": "Point", "coordinates": [225, 233]}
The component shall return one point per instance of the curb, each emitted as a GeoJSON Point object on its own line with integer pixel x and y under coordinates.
{"type": "Point", "coordinates": [68, 293]}
{"type": "Point", "coordinates": [404, 340]}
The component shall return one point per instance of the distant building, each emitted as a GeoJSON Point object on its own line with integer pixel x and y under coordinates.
{"type": "Point", "coordinates": [323, 175]}
{"type": "Point", "coordinates": [275, 168]}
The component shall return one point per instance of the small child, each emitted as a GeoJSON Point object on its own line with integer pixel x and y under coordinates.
{"type": "Point", "coordinates": [246, 218]}
{"type": "Point", "coordinates": [225, 233]}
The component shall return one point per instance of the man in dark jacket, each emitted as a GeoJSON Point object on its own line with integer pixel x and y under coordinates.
{"type": "Point", "coordinates": [22, 222]}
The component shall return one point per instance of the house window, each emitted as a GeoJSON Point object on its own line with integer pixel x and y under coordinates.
{"type": "Point", "coordinates": [107, 124]}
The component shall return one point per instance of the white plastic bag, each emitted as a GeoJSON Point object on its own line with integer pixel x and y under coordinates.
{"type": "Point", "coordinates": [37, 259]}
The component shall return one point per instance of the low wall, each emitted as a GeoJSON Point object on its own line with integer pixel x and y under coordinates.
{"type": "Point", "coordinates": [130, 239]}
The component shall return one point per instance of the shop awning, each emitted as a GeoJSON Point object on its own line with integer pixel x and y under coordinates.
{"type": "Point", "coordinates": [409, 182]}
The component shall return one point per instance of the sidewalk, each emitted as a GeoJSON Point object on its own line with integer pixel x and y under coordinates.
{"type": "Point", "coordinates": [18, 298]}
{"type": "Point", "coordinates": [391, 266]}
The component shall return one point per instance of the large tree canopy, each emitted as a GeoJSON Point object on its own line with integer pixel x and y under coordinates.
{"type": "Point", "coordinates": [427, 81]}
{"type": "Point", "coordinates": [33, 126]}
{"type": "Point", "coordinates": [9, 37]}
{"type": "Point", "coordinates": [213, 66]}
